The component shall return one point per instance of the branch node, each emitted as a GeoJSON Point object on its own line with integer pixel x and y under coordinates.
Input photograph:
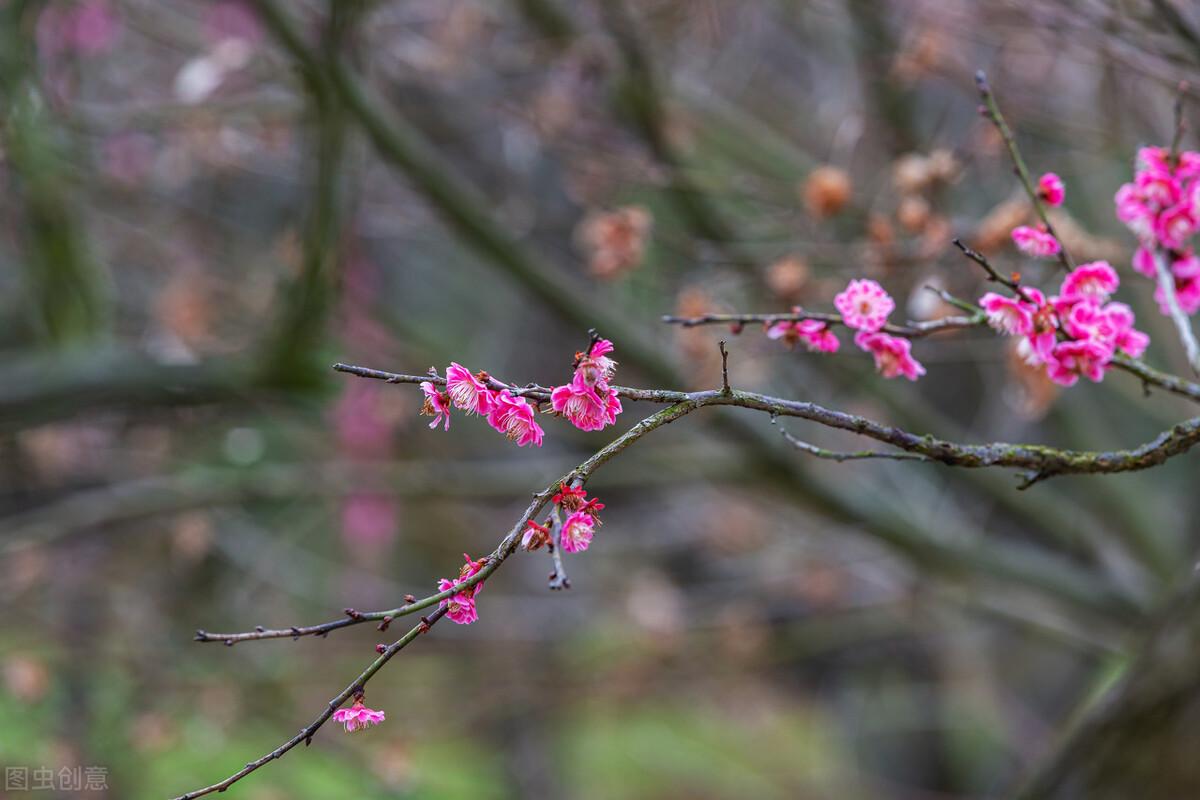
{"type": "Point", "coordinates": [725, 389]}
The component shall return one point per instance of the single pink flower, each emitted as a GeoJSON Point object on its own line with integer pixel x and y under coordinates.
{"type": "Point", "coordinates": [1153, 158]}
{"type": "Point", "coordinates": [1128, 340]}
{"type": "Point", "coordinates": [1185, 264]}
{"type": "Point", "coordinates": [513, 416]}
{"type": "Point", "coordinates": [814, 334]}
{"type": "Point", "coordinates": [1175, 225]}
{"type": "Point", "coordinates": [585, 408]}
{"type": "Point", "coordinates": [1008, 315]}
{"type": "Point", "coordinates": [893, 355]}
{"type": "Point", "coordinates": [1051, 189]}
{"type": "Point", "coordinates": [1068, 360]}
{"type": "Point", "coordinates": [1035, 242]}
{"type": "Point", "coordinates": [357, 716]}
{"type": "Point", "coordinates": [595, 367]}
{"type": "Point", "coordinates": [534, 536]}
{"type": "Point", "coordinates": [577, 532]}
{"type": "Point", "coordinates": [468, 392]}
{"type": "Point", "coordinates": [1187, 292]}
{"type": "Point", "coordinates": [1143, 262]}
{"type": "Point", "coordinates": [817, 336]}
{"type": "Point", "coordinates": [1096, 279]}
{"type": "Point", "coordinates": [864, 305]}
{"type": "Point", "coordinates": [1087, 320]}
{"type": "Point", "coordinates": [1158, 188]}
{"type": "Point", "coordinates": [570, 497]}
{"type": "Point", "coordinates": [1133, 211]}
{"type": "Point", "coordinates": [436, 405]}
{"type": "Point", "coordinates": [460, 607]}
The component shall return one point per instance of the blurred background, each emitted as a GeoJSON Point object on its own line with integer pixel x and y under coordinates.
{"type": "Point", "coordinates": [205, 204]}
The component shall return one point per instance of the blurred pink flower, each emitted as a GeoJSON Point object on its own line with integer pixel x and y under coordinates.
{"type": "Point", "coordinates": [231, 19]}
{"type": "Point", "coordinates": [369, 518]}
{"type": "Point", "coordinates": [87, 28]}
{"type": "Point", "coordinates": [1051, 190]}
{"type": "Point", "coordinates": [1035, 242]}
{"type": "Point", "coordinates": [893, 355]}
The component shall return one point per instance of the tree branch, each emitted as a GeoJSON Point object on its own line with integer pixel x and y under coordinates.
{"type": "Point", "coordinates": [508, 545]}
{"type": "Point", "coordinates": [306, 733]}
{"type": "Point", "coordinates": [991, 110]}
{"type": "Point", "coordinates": [911, 330]}
{"type": "Point", "coordinates": [1045, 461]}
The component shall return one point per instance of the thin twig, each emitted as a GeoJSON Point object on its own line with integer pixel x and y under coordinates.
{"type": "Point", "coordinates": [840, 456]}
{"type": "Point", "coordinates": [1013, 283]}
{"type": "Point", "coordinates": [306, 733]}
{"type": "Point", "coordinates": [910, 330]}
{"type": "Point", "coordinates": [724, 368]}
{"type": "Point", "coordinates": [506, 548]}
{"type": "Point", "coordinates": [991, 110]}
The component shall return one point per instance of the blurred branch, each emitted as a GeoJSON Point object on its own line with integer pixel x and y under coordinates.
{"type": "Point", "coordinates": [45, 387]}
{"type": "Point", "coordinates": [643, 101]}
{"type": "Point", "coordinates": [66, 286]}
{"type": "Point", "coordinates": [93, 508]}
{"type": "Point", "coordinates": [1118, 746]}
{"type": "Point", "coordinates": [293, 349]}
{"type": "Point", "coordinates": [991, 110]}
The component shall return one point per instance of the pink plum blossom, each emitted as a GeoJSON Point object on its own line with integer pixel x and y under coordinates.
{"type": "Point", "coordinates": [1008, 315]}
{"type": "Point", "coordinates": [814, 334]}
{"type": "Point", "coordinates": [1175, 225]}
{"type": "Point", "coordinates": [893, 354]}
{"type": "Point", "coordinates": [1093, 280]}
{"type": "Point", "coordinates": [577, 532]}
{"type": "Point", "coordinates": [1051, 189]}
{"type": "Point", "coordinates": [1035, 242]}
{"type": "Point", "coordinates": [1126, 339]}
{"type": "Point", "coordinates": [513, 416]}
{"type": "Point", "coordinates": [460, 607]}
{"type": "Point", "coordinates": [437, 405]}
{"type": "Point", "coordinates": [534, 536]}
{"type": "Point", "coordinates": [583, 408]}
{"type": "Point", "coordinates": [1068, 360]}
{"type": "Point", "coordinates": [864, 305]}
{"type": "Point", "coordinates": [357, 716]}
{"type": "Point", "coordinates": [468, 392]}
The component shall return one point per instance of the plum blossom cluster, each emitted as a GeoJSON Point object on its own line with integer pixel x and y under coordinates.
{"type": "Point", "coordinates": [582, 517]}
{"type": "Point", "coordinates": [589, 402]}
{"type": "Point", "coordinates": [1162, 208]}
{"type": "Point", "coordinates": [864, 307]}
{"type": "Point", "coordinates": [1038, 242]}
{"type": "Point", "coordinates": [460, 606]}
{"type": "Point", "coordinates": [357, 716]}
{"type": "Point", "coordinates": [513, 416]}
{"type": "Point", "coordinates": [1074, 333]}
